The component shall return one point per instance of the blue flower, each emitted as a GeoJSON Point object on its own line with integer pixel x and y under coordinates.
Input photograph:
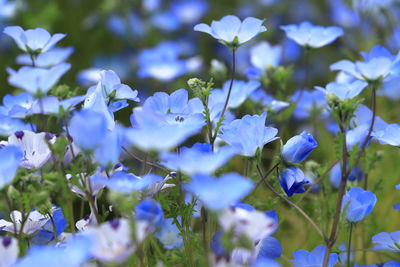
{"type": "Point", "coordinates": [165, 121]}
{"type": "Point", "coordinates": [231, 31]}
{"type": "Point", "coordinates": [10, 125]}
{"type": "Point", "coordinates": [309, 35]}
{"type": "Point", "coordinates": [163, 62]}
{"type": "Point", "coordinates": [378, 64]}
{"type": "Point", "coordinates": [249, 133]}
{"type": "Point", "coordinates": [262, 262]}
{"type": "Point", "coordinates": [298, 147]}
{"type": "Point", "coordinates": [46, 234]}
{"type": "Point", "coordinates": [292, 181]}
{"type": "Point", "coordinates": [17, 105]}
{"type": "Point", "coordinates": [344, 90]}
{"type": "Point", "coordinates": [109, 150]}
{"type": "Point", "coordinates": [34, 40]}
{"type": "Point", "coordinates": [198, 159]}
{"type": "Point", "coordinates": [308, 102]}
{"type": "Point", "coordinates": [189, 12]}
{"type": "Point", "coordinates": [74, 253]}
{"type": "Point", "coordinates": [150, 211]}
{"type": "Point", "coordinates": [268, 101]}
{"type": "Point", "coordinates": [37, 80]}
{"type": "Point", "coordinates": [127, 182]}
{"type": "Point", "coordinates": [397, 206]}
{"type": "Point", "coordinates": [390, 135]}
{"type": "Point", "coordinates": [387, 241]}
{"type": "Point", "coordinates": [356, 174]}
{"type": "Point", "coordinates": [303, 258]}
{"type": "Point", "coordinates": [208, 189]}
{"type": "Point", "coordinates": [262, 56]}
{"type": "Point", "coordinates": [169, 234]}
{"type": "Point", "coordinates": [240, 91]}
{"type": "Point", "coordinates": [87, 129]}
{"type": "Point", "coordinates": [10, 157]}
{"type": "Point", "coordinates": [360, 124]}
{"type": "Point", "coordinates": [270, 248]}
{"type": "Point", "coordinates": [48, 59]}
{"type": "Point", "coordinates": [358, 203]}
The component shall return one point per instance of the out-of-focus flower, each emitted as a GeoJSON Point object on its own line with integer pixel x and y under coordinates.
{"type": "Point", "coordinates": [249, 133]}
{"type": "Point", "coordinates": [34, 222]}
{"type": "Point", "coordinates": [357, 204]}
{"type": "Point", "coordinates": [309, 35]}
{"type": "Point", "coordinates": [298, 147]}
{"type": "Point", "coordinates": [254, 224]}
{"type": "Point", "coordinates": [10, 157]}
{"type": "Point", "coordinates": [48, 59]}
{"type": "Point", "coordinates": [8, 251]}
{"type": "Point", "coordinates": [87, 129]}
{"type": "Point", "coordinates": [303, 258]}
{"type": "Point", "coordinates": [387, 241]}
{"type": "Point", "coordinates": [36, 151]}
{"type": "Point", "coordinates": [356, 174]}
{"type": "Point", "coordinates": [34, 40]}
{"type": "Point", "coordinates": [208, 189]}
{"type": "Point", "coordinates": [127, 182]}
{"type": "Point", "coordinates": [169, 234]}
{"type": "Point", "coordinates": [150, 211]}
{"type": "Point", "coordinates": [199, 159]}
{"type": "Point", "coordinates": [231, 31]}
{"type": "Point", "coordinates": [37, 80]}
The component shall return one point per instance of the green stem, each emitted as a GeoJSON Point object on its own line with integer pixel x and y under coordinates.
{"type": "Point", "coordinates": [349, 245]}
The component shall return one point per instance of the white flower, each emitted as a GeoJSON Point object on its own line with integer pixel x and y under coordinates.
{"type": "Point", "coordinates": [8, 251]}
{"type": "Point", "coordinates": [34, 147]}
{"type": "Point", "coordinates": [34, 222]}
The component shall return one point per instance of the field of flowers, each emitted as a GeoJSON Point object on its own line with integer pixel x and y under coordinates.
{"type": "Point", "coordinates": [223, 133]}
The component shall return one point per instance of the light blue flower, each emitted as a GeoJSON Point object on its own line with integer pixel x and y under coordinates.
{"type": "Point", "coordinates": [163, 62]}
{"type": "Point", "coordinates": [268, 101]}
{"type": "Point", "coordinates": [309, 35]}
{"type": "Point", "coordinates": [189, 12]}
{"type": "Point", "coordinates": [87, 129]}
{"type": "Point", "coordinates": [198, 159]}
{"type": "Point", "coordinates": [344, 90]}
{"type": "Point", "coordinates": [208, 189]}
{"type": "Point", "coordinates": [360, 124]}
{"type": "Point", "coordinates": [48, 59]}
{"type": "Point", "coordinates": [231, 31]}
{"type": "Point", "coordinates": [308, 102]}
{"type": "Point", "coordinates": [292, 181]}
{"type": "Point", "coordinates": [264, 55]}
{"type": "Point", "coordinates": [262, 262]}
{"type": "Point", "coordinates": [10, 125]}
{"type": "Point", "coordinates": [127, 183]}
{"type": "Point", "coordinates": [390, 135]}
{"type": "Point", "coordinates": [34, 40]}
{"type": "Point", "coordinates": [18, 105]}
{"type": "Point", "coordinates": [298, 147]}
{"type": "Point", "coordinates": [37, 80]}
{"type": "Point", "coordinates": [150, 211]}
{"type": "Point", "coordinates": [109, 150]}
{"type": "Point", "coordinates": [303, 258]}
{"type": "Point", "coordinates": [73, 254]}
{"type": "Point", "coordinates": [378, 64]}
{"type": "Point", "coordinates": [397, 206]}
{"type": "Point", "coordinates": [387, 241]}
{"type": "Point", "coordinates": [160, 132]}
{"type": "Point", "coordinates": [356, 174]}
{"type": "Point", "coordinates": [46, 234]}
{"type": "Point", "coordinates": [10, 157]}
{"type": "Point", "coordinates": [169, 234]}
{"type": "Point", "coordinates": [249, 133]}
{"type": "Point", "coordinates": [240, 91]}
{"type": "Point", "coordinates": [358, 203]}
{"type": "Point", "coordinates": [165, 121]}
{"type": "Point", "coordinates": [270, 248]}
